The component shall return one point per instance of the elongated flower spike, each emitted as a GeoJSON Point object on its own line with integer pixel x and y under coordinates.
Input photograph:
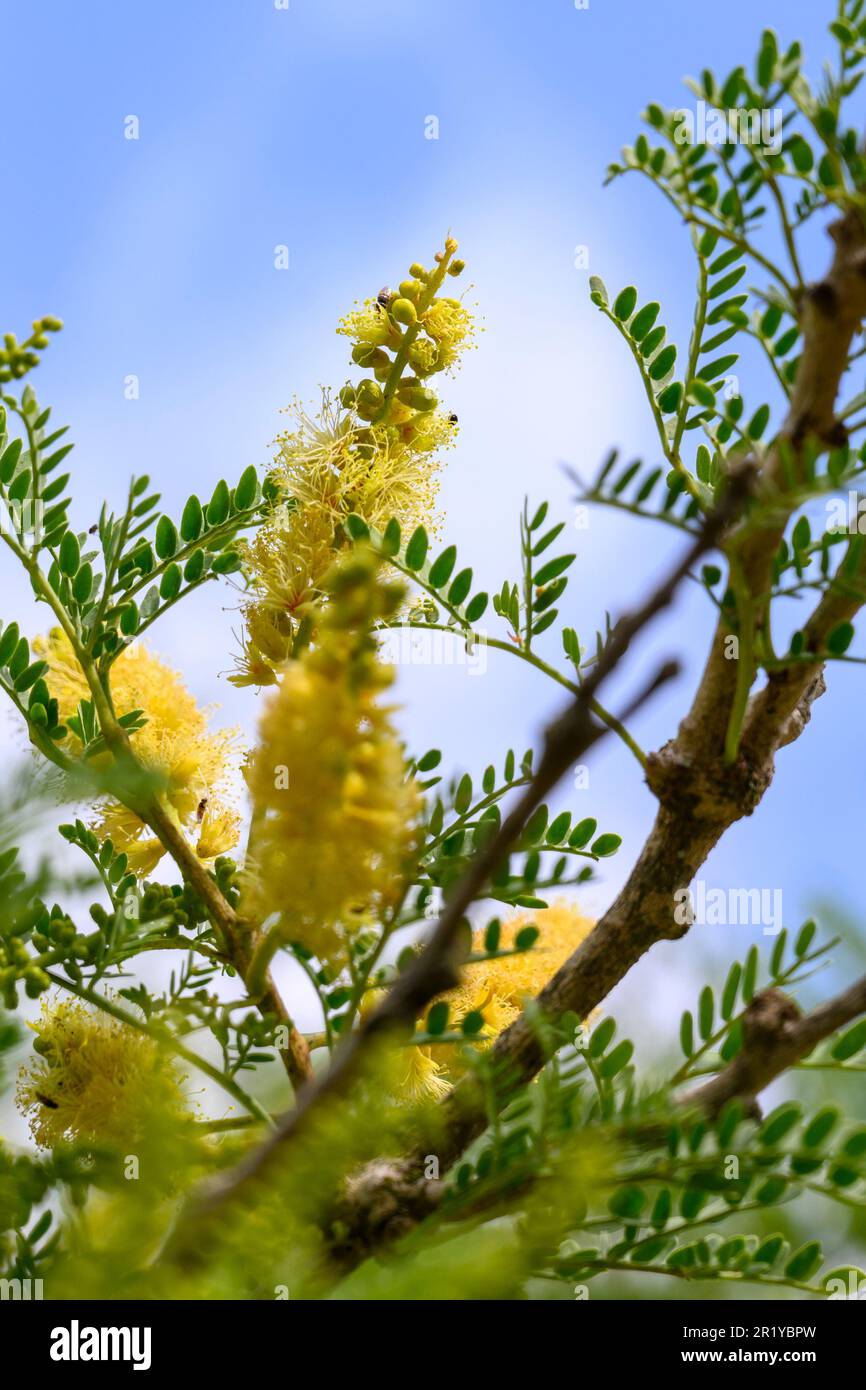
{"type": "Point", "coordinates": [334, 817]}
{"type": "Point", "coordinates": [373, 449]}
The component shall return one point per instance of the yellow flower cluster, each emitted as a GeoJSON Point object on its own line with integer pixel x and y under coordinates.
{"type": "Point", "coordinates": [174, 743]}
{"type": "Point", "coordinates": [372, 451]}
{"type": "Point", "coordinates": [334, 817]}
{"type": "Point", "coordinates": [498, 989]}
{"type": "Point", "coordinates": [94, 1080]}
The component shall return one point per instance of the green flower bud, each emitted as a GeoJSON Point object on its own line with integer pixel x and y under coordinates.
{"type": "Point", "coordinates": [37, 714]}
{"type": "Point", "coordinates": [417, 270]}
{"type": "Point", "coordinates": [367, 356]}
{"type": "Point", "coordinates": [347, 396]}
{"type": "Point", "coordinates": [403, 310]}
{"type": "Point", "coordinates": [410, 289]}
{"type": "Point", "coordinates": [420, 398]}
{"type": "Point", "coordinates": [369, 398]}
{"type": "Point", "coordinates": [51, 325]}
{"type": "Point", "coordinates": [35, 981]}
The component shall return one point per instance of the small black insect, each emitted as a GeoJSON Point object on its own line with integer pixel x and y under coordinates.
{"type": "Point", "coordinates": [385, 295]}
{"type": "Point", "coordinates": [93, 529]}
{"type": "Point", "coordinates": [200, 810]}
{"type": "Point", "coordinates": [452, 418]}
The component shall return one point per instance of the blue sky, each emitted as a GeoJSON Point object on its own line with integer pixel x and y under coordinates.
{"type": "Point", "coordinates": [305, 127]}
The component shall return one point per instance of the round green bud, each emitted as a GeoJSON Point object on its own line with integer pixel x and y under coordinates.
{"type": "Point", "coordinates": [51, 324]}
{"type": "Point", "coordinates": [403, 310]}
{"type": "Point", "coordinates": [347, 396]}
{"type": "Point", "coordinates": [367, 356]}
{"type": "Point", "coordinates": [420, 398]}
{"type": "Point", "coordinates": [37, 714]}
{"type": "Point", "coordinates": [35, 981]}
{"type": "Point", "coordinates": [369, 398]}
{"type": "Point", "coordinates": [410, 289]}
{"type": "Point", "coordinates": [417, 271]}
{"type": "Point", "coordinates": [456, 267]}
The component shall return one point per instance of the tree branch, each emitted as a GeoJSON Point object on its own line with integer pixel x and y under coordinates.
{"type": "Point", "coordinates": [776, 1035]}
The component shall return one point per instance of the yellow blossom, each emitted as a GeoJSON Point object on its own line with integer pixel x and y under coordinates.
{"type": "Point", "coordinates": [95, 1080]}
{"type": "Point", "coordinates": [499, 989]}
{"type": "Point", "coordinates": [175, 742]}
{"type": "Point", "coordinates": [335, 818]}
{"type": "Point", "coordinates": [372, 452]}
{"type": "Point", "coordinates": [219, 833]}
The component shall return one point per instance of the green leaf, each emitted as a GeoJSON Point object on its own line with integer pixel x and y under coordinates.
{"type": "Point", "coordinates": [598, 290]}
{"type": "Point", "coordinates": [779, 1122]}
{"type": "Point", "coordinates": [463, 795]}
{"type": "Point", "coordinates": [661, 365]}
{"type": "Point", "coordinates": [225, 562]}
{"type": "Point", "coordinates": [582, 833]}
{"type": "Point", "coordinates": [194, 567]}
{"type": "Point", "coordinates": [804, 939]}
{"type": "Point", "coordinates": [750, 973]}
{"type": "Point", "coordinates": [83, 582]}
{"type": "Point", "coordinates": [526, 938]}
{"type": "Point", "coordinates": [437, 1018]}
{"type": "Point", "coordinates": [643, 321]}
{"type": "Point", "coordinates": [30, 675]}
{"type": "Point", "coordinates": [602, 1037]}
{"type": "Point", "coordinates": [9, 460]}
{"type": "Point", "coordinates": [8, 642]}
{"type": "Point", "coordinates": [729, 993]}
{"type": "Point", "coordinates": [69, 555]}
{"type": "Point", "coordinates": [192, 520]}
{"type": "Point", "coordinates": [460, 587]}
{"type": "Point", "coordinates": [804, 1262]}
{"type": "Point", "coordinates": [165, 541]}
{"type": "Point", "coordinates": [472, 1022]}
{"type": "Point", "coordinates": [440, 570]}
{"type": "Point", "coordinates": [850, 1043]}
{"type": "Point", "coordinates": [476, 607]}
{"type": "Point", "coordinates": [170, 583]}
{"type": "Point", "coordinates": [628, 1202]}
{"type": "Point", "coordinates": [617, 1059]}
{"type": "Point", "coordinates": [840, 638]}
{"type": "Point", "coordinates": [245, 492]}
{"type": "Point", "coordinates": [416, 550]}
{"type": "Point", "coordinates": [687, 1033]}
{"type": "Point", "coordinates": [623, 305]}
{"type": "Point", "coordinates": [357, 527]}
{"type": "Point", "coordinates": [606, 845]}
{"type": "Point", "coordinates": [553, 569]}
{"type": "Point", "coordinates": [706, 1009]}
{"type": "Point", "coordinates": [820, 1126]}
{"type": "Point", "coordinates": [219, 504]}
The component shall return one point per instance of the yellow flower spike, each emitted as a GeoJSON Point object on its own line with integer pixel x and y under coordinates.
{"type": "Point", "coordinates": [335, 818]}
{"type": "Point", "coordinates": [175, 743]}
{"type": "Point", "coordinates": [94, 1080]}
{"type": "Point", "coordinates": [499, 989]}
{"type": "Point", "coordinates": [369, 451]}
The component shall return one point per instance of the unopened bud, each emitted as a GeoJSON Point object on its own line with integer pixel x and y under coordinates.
{"type": "Point", "coordinates": [403, 310]}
